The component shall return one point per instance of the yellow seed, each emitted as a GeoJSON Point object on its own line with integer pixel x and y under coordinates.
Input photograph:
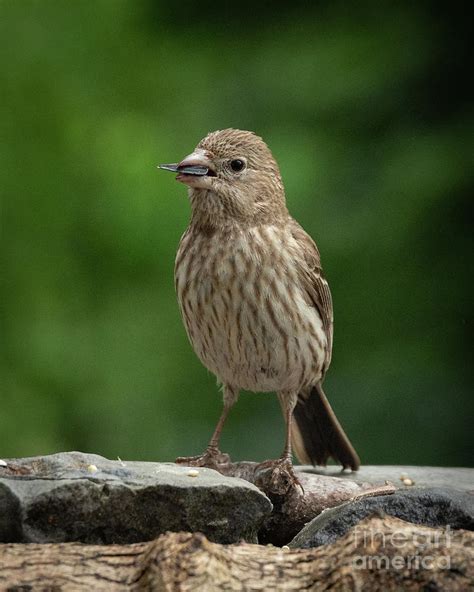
{"type": "Point", "coordinates": [92, 469]}
{"type": "Point", "coordinates": [193, 473]}
{"type": "Point", "coordinates": [407, 481]}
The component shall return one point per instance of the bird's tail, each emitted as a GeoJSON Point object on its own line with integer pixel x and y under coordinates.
{"type": "Point", "coordinates": [318, 435]}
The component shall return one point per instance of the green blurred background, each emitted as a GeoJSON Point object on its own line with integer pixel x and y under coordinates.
{"type": "Point", "coordinates": [367, 110]}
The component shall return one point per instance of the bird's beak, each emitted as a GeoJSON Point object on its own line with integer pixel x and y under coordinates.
{"type": "Point", "coordinates": [196, 164]}
{"type": "Point", "coordinates": [198, 158]}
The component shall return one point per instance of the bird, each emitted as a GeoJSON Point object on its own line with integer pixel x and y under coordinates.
{"type": "Point", "coordinates": [255, 304]}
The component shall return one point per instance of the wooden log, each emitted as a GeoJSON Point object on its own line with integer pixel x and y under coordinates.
{"type": "Point", "coordinates": [378, 554]}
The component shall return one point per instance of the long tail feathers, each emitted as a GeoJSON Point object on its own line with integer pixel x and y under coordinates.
{"type": "Point", "coordinates": [318, 435]}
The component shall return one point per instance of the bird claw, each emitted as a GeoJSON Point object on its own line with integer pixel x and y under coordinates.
{"type": "Point", "coordinates": [212, 458]}
{"type": "Point", "coordinates": [278, 476]}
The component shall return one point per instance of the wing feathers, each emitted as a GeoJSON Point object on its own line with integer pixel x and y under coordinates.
{"type": "Point", "coordinates": [314, 283]}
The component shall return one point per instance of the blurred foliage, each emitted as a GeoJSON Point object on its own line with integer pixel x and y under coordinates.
{"type": "Point", "coordinates": [366, 109]}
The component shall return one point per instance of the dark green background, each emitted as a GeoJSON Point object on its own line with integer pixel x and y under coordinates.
{"type": "Point", "coordinates": [365, 107]}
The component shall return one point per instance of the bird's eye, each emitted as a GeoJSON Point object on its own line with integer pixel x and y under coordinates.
{"type": "Point", "coordinates": [237, 165]}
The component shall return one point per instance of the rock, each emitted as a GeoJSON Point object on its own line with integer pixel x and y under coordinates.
{"type": "Point", "coordinates": [434, 506]}
{"type": "Point", "coordinates": [87, 498]}
{"type": "Point", "coordinates": [457, 478]}
{"type": "Point", "coordinates": [329, 487]}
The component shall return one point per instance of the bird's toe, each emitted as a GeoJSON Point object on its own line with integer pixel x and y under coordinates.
{"type": "Point", "coordinates": [210, 458]}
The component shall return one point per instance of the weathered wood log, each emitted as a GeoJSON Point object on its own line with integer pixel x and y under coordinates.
{"type": "Point", "coordinates": [378, 554]}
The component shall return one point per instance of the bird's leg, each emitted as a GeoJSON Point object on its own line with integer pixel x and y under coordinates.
{"type": "Point", "coordinates": [286, 454]}
{"type": "Point", "coordinates": [283, 476]}
{"type": "Point", "coordinates": [212, 457]}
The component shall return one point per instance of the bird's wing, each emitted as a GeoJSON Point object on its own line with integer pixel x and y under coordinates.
{"type": "Point", "coordinates": [315, 284]}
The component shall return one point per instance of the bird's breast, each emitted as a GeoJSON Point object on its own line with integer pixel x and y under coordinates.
{"type": "Point", "coordinates": [244, 310]}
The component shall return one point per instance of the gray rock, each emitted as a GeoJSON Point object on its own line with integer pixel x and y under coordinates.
{"type": "Point", "coordinates": [429, 506]}
{"type": "Point", "coordinates": [455, 477]}
{"type": "Point", "coordinates": [87, 498]}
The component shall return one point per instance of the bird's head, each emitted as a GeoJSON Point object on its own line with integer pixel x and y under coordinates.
{"type": "Point", "coordinates": [236, 180]}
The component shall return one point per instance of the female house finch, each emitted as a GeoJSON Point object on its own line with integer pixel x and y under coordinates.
{"type": "Point", "coordinates": [254, 301]}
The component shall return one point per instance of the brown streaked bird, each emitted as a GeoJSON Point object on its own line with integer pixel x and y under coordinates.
{"type": "Point", "coordinates": [253, 298]}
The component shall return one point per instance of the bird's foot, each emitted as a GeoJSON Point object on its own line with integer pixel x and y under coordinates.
{"type": "Point", "coordinates": [211, 458]}
{"type": "Point", "coordinates": [277, 476]}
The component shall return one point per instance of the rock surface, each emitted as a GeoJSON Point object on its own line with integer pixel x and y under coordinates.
{"type": "Point", "coordinates": [436, 507]}
{"type": "Point", "coordinates": [87, 498]}
{"type": "Point", "coordinates": [329, 487]}
{"type": "Point", "coordinates": [453, 477]}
